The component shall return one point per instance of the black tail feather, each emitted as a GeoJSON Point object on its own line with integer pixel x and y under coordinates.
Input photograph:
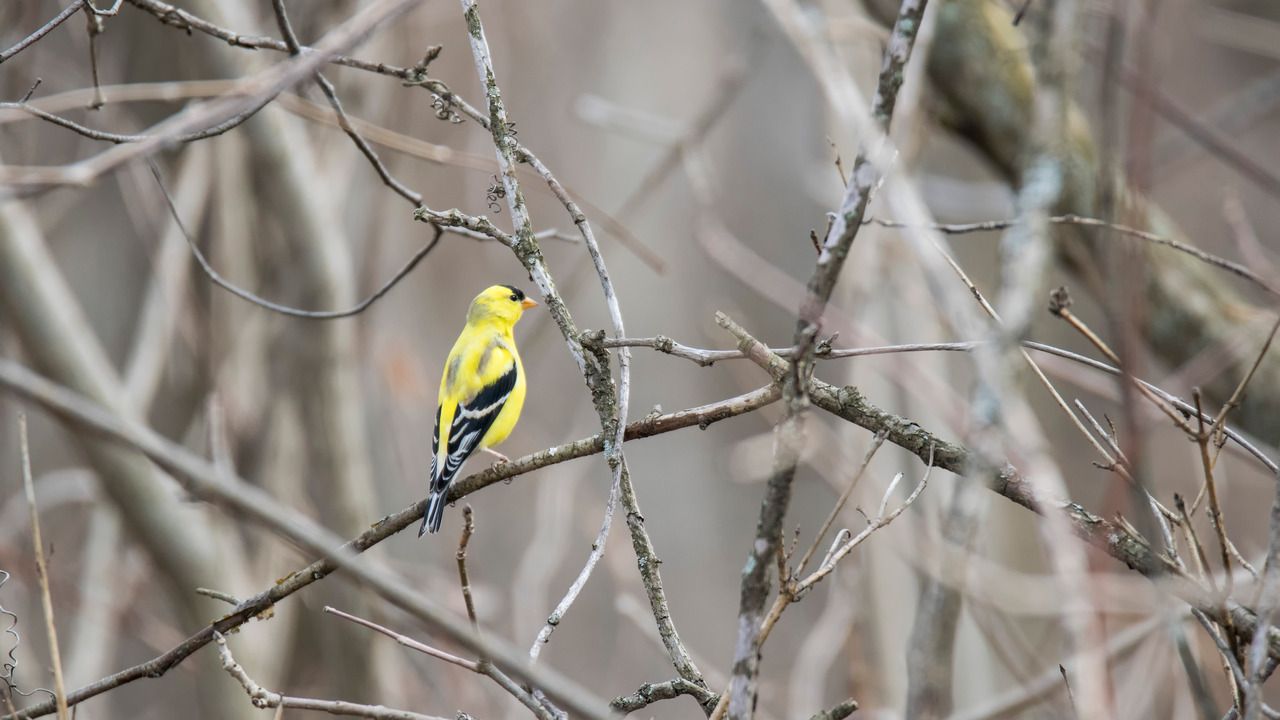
{"type": "Point", "coordinates": [434, 515]}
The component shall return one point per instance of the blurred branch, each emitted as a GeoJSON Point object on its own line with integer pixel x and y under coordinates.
{"type": "Point", "coordinates": [43, 310]}
{"type": "Point", "coordinates": [931, 656]}
{"type": "Point", "coordinates": [1049, 682]}
{"type": "Point", "coordinates": [248, 95]}
{"type": "Point", "coordinates": [838, 712]}
{"type": "Point", "coordinates": [1268, 599]}
{"type": "Point", "coordinates": [1110, 537]}
{"type": "Point", "coordinates": [1189, 309]}
{"type": "Point", "coordinates": [93, 419]}
{"type": "Point", "coordinates": [1204, 257]}
{"type": "Point", "coordinates": [42, 573]}
{"type": "Point", "coordinates": [166, 293]}
{"type": "Point", "coordinates": [263, 698]}
{"type": "Point", "coordinates": [1231, 115]}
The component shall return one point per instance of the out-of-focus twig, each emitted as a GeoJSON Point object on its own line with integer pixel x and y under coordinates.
{"type": "Point", "coordinates": [406, 641]}
{"type": "Point", "coordinates": [1195, 252]}
{"type": "Point", "coordinates": [249, 95]}
{"type": "Point", "coordinates": [839, 711]}
{"type": "Point", "coordinates": [42, 572]}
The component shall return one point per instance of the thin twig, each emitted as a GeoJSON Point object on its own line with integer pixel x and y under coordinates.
{"type": "Point", "coordinates": [1235, 676]}
{"type": "Point", "coordinates": [248, 95]}
{"type": "Point", "coordinates": [274, 307]}
{"type": "Point", "coordinates": [876, 442]}
{"type": "Point", "coordinates": [1238, 394]}
{"type": "Point", "coordinates": [203, 133]}
{"type": "Point", "coordinates": [468, 527]}
{"type": "Point", "coordinates": [706, 358]}
{"type": "Point", "coordinates": [1220, 530]}
{"type": "Point", "coordinates": [48, 28]}
{"type": "Point", "coordinates": [295, 48]}
{"type": "Point", "coordinates": [1059, 306]}
{"type": "Point", "coordinates": [995, 225]}
{"type": "Point", "coordinates": [219, 595]}
{"type": "Point", "coordinates": [261, 698]}
{"type": "Point", "coordinates": [42, 572]}
{"type": "Point", "coordinates": [407, 641]}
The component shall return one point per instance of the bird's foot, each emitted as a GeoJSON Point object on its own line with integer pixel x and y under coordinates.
{"type": "Point", "coordinates": [500, 457]}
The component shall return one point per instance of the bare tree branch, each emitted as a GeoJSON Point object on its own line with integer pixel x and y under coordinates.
{"type": "Point", "coordinates": [263, 698]}
{"type": "Point", "coordinates": [650, 693]}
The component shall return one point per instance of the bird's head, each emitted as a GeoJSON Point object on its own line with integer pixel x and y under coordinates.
{"type": "Point", "coordinates": [501, 303]}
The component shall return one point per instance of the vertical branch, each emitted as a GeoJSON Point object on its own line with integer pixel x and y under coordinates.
{"type": "Point", "coordinates": [468, 527]}
{"type": "Point", "coordinates": [931, 656]}
{"type": "Point", "coordinates": [1026, 251]}
{"type": "Point", "coordinates": [42, 571]}
{"type": "Point", "coordinates": [611, 403]}
{"type": "Point", "coordinates": [789, 435]}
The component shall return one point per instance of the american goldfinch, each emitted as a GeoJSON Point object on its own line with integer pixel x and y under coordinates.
{"type": "Point", "coordinates": [481, 392]}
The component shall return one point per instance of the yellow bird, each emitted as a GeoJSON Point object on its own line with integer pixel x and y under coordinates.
{"type": "Point", "coordinates": [481, 392]}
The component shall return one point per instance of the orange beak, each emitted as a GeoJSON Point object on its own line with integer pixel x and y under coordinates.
{"type": "Point", "coordinates": [527, 303]}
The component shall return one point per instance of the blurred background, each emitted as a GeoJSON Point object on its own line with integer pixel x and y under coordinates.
{"type": "Point", "coordinates": [703, 151]}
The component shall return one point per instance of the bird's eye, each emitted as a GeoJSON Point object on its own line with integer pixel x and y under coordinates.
{"type": "Point", "coordinates": [513, 298]}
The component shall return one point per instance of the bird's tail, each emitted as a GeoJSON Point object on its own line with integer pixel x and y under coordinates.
{"type": "Point", "coordinates": [434, 515]}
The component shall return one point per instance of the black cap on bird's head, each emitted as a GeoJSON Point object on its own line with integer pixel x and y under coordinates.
{"type": "Point", "coordinates": [516, 293]}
